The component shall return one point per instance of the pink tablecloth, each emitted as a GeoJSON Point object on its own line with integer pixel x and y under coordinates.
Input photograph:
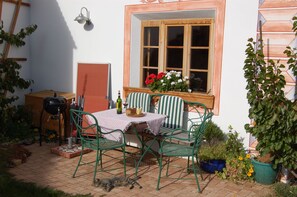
{"type": "Point", "coordinates": [110, 120]}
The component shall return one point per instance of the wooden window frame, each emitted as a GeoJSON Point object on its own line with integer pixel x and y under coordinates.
{"type": "Point", "coordinates": [218, 38]}
{"type": "Point", "coordinates": [162, 46]}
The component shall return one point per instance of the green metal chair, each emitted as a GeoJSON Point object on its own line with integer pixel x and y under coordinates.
{"type": "Point", "coordinates": [172, 146]}
{"type": "Point", "coordinates": [92, 137]}
{"type": "Point", "coordinates": [139, 99]}
{"type": "Point", "coordinates": [194, 115]}
{"type": "Point", "coordinates": [173, 108]}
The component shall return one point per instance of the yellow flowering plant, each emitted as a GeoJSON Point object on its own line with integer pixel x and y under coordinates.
{"type": "Point", "coordinates": [238, 163]}
{"type": "Point", "coordinates": [238, 168]}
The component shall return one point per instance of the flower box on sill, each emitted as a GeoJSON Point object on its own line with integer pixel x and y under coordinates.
{"type": "Point", "coordinates": [207, 100]}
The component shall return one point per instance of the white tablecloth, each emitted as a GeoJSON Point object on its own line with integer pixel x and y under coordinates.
{"type": "Point", "coordinates": [109, 120]}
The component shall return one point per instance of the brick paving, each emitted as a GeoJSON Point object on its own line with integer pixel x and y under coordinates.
{"type": "Point", "coordinates": [50, 170]}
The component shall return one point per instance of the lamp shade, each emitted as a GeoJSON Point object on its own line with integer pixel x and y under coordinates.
{"type": "Point", "coordinates": [80, 19]}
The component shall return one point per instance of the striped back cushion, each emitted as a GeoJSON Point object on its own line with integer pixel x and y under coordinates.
{"type": "Point", "coordinates": [138, 99]}
{"type": "Point", "coordinates": [173, 107]}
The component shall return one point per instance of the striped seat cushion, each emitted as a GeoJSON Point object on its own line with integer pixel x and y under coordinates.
{"type": "Point", "coordinates": [173, 107]}
{"type": "Point", "coordinates": [138, 99]}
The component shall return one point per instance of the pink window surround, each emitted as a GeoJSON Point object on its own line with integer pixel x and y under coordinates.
{"type": "Point", "coordinates": [217, 5]}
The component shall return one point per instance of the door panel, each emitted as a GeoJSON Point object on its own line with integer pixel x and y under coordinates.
{"type": "Point", "coordinates": [93, 85]}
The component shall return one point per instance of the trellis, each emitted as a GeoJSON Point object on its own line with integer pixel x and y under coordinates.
{"type": "Point", "coordinates": [18, 4]}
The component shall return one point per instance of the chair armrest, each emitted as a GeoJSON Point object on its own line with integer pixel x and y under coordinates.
{"type": "Point", "coordinates": [182, 135]}
{"type": "Point", "coordinates": [114, 131]}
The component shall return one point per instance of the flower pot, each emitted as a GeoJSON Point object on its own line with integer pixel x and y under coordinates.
{"type": "Point", "coordinates": [264, 173]}
{"type": "Point", "coordinates": [213, 165]}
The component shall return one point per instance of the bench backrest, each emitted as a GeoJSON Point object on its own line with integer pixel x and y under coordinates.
{"type": "Point", "coordinates": [173, 107]}
{"type": "Point", "coordinates": [139, 99]}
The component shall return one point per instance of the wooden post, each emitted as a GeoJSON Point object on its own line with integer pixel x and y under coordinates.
{"type": "Point", "coordinates": [1, 3]}
{"type": "Point", "coordinates": [15, 2]}
{"type": "Point", "coordinates": [12, 27]}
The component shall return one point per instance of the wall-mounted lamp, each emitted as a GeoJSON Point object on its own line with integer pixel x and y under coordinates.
{"type": "Point", "coordinates": [82, 18]}
{"type": "Point", "coordinates": [85, 19]}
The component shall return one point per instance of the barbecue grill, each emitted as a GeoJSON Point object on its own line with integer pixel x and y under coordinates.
{"type": "Point", "coordinates": [55, 106]}
{"type": "Point", "coordinates": [52, 105]}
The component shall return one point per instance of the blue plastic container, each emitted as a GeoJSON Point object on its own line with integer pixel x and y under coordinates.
{"type": "Point", "coordinates": [213, 165]}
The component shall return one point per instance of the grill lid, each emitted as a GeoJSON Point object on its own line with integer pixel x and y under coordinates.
{"type": "Point", "coordinates": [53, 103]}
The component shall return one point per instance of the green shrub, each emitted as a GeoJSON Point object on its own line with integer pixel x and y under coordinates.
{"type": "Point", "coordinates": [209, 152]}
{"type": "Point", "coordinates": [213, 146]}
{"type": "Point", "coordinates": [234, 144]}
{"type": "Point", "coordinates": [17, 125]}
{"type": "Point", "coordinates": [213, 134]}
{"type": "Point", "coordinates": [238, 163]}
{"type": "Point", "coordinates": [285, 190]}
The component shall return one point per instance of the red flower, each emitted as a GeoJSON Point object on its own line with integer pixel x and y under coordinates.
{"type": "Point", "coordinates": [150, 79]}
{"type": "Point", "coordinates": [161, 75]}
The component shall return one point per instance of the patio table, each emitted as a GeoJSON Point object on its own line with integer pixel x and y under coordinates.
{"type": "Point", "coordinates": [110, 120]}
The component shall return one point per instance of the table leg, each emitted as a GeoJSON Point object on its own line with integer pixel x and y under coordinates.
{"type": "Point", "coordinates": [145, 148]}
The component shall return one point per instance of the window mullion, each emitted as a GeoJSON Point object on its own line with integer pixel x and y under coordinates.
{"type": "Point", "coordinates": [141, 55]}
{"type": "Point", "coordinates": [164, 46]}
{"type": "Point", "coordinates": [187, 50]}
{"type": "Point", "coordinates": [162, 42]}
{"type": "Point", "coordinates": [210, 58]}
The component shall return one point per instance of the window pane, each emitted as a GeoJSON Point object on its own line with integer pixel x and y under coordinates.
{"type": "Point", "coordinates": [151, 36]}
{"type": "Point", "coordinates": [199, 59]}
{"type": "Point", "coordinates": [145, 56]}
{"type": "Point", "coordinates": [175, 36]}
{"type": "Point", "coordinates": [147, 72]}
{"type": "Point", "coordinates": [198, 81]}
{"type": "Point", "coordinates": [200, 35]}
{"type": "Point", "coordinates": [174, 58]}
{"type": "Point", "coordinates": [150, 57]}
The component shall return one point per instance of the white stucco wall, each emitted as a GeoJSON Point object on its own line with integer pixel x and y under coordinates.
{"type": "Point", "coordinates": [60, 43]}
{"type": "Point", "coordinates": [240, 24]}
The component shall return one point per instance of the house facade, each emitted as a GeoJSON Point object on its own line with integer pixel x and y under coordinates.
{"type": "Point", "coordinates": [203, 39]}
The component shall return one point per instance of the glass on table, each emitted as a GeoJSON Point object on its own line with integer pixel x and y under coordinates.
{"type": "Point", "coordinates": [125, 105]}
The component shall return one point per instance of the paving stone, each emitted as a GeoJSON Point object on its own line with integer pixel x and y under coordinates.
{"type": "Point", "coordinates": [47, 169]}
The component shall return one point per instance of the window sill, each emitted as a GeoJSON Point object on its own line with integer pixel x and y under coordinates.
{"type": "Point", "coordinates": [207, 100]}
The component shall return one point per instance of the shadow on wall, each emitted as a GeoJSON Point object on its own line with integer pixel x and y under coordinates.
{"type": "Point", "coordinates": [51, 48]}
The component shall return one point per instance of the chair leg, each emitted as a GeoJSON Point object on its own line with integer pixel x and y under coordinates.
{"type": "Point", "coordinates": [195, 173]}
{"type": "Point", "coordinates": [124, 156]}
{"type": "Point", "coordinates": [160, 172]}
{"type": "Point", "coordinates": [198, 165]}
{"type": "Point", "coordinates": [188, 165]}
{"type": "Point", "coordinates": [96, 164]}
{"type": "Point", "coordinates": [167, 168]}
{"type": "Point", "coordinates": [80, 158]}
{"type": "Point", "coordinates": [100, 159]}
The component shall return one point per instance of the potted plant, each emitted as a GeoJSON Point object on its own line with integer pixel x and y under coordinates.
{"type": "Point", "coordinates": [212, 152]}
{"type": "Point", "coordinates": [238, 162]}
{"type": "Point", "coordinates": [167, 81]}
{"type": "Point", "coordinates": [273, 115]}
